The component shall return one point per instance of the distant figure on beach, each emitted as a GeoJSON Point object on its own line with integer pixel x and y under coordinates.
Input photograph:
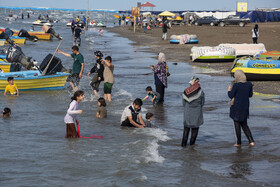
{"type": "Point", "coordinates": [193, 101]}
{"type": "Point", "coordinates": [150, 93]}
{"type": "Point", "coordinates": [120, 19]}
{"type": "Point", "coordinates": [84, 20]}
{"type": "Point", "coordinates": [149, 118]}
{"type": "Point", "coordinates": [123, 19]}
{"type": "Point", "coordinates": [98, 69]}
{"type": "Point", "coordinates": [71, 116]}
{"type": "Point", "coordinates": [160, 76]}
{"type": "Point", "coordinates": [28, 15]}
{"type": "Point", "coordinates": [11, 87]}
{"type": "Point", "coordinates": [6, 112]}
{"type": "Point", "coordinates": [164, 28]}
{"type": "Point", "coordinates": [73, 26]}
{"type": "Point", "coordinates": [78, 67]}
{"type": "Point", "coordinates": [101, 110]}
{"type": "Point", "coordinates": [77, 19]}
{"type": "Point", "coordinates": [108, 78]}
{"type": "Point", "coordinates": [77, 36]}
{"type": "Point", "coordinates": [22, 16]}
{"type": "Point", "coordinates": [131, 116]}
{"type": "Point", "coordinates": [145, 24]}
{"type": "Point", "coordinates": [239, 94]}
{"type": "Point", "coordinates": [255, 34]}
{"type": "Point", "coordinates": [100, 32]}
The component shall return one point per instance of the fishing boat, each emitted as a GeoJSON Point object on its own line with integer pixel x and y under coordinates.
{"type": "Point", "coordinates": [39, 34]}
{"type": "Point", "coordinates": [246, 49]}
{"type": "Point", "coordinates": [33, 80]}
{"type": "Point", "coordinates": [212, 54]}
{"type": "Point", "coordinates": [16, 39]}
{"type": "Point", "coordinates": [258, 69]}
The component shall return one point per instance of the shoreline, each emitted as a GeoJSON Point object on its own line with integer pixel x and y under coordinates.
{"type": "Point", "coordinates": [208, 36]}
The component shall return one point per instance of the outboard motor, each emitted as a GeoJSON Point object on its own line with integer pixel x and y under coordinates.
{"type": "Point", "coordinates": [15, 55]}
{"type": "Point", "coordinates": [24, 33]}
{"type": "Point", "coordinates": [5, 36]}
{"type": "Point", "coordinates": [52, 31]}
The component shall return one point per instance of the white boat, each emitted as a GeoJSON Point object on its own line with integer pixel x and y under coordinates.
{"type": "Point", "coordinates": [41, 23]}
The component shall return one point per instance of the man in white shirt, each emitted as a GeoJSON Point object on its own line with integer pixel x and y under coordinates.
{"type": "Point", "coordinates": [131, 115]}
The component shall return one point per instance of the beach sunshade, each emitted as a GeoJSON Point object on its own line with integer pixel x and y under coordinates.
{"type": "Point", "coordinates": [147, 4]}
{"type": "Point", "coordinates": [167, 13]}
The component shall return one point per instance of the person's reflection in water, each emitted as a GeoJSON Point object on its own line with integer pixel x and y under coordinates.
{"type": "Point", "coordinates": [240, 167]}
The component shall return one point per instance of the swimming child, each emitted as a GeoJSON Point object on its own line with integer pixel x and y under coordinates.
{"type": "Point", "coordinates": [7, 112]}
{"type": "Point", "coordinates": [98, 69]}
{"type": "Point", "coordinates": [108, 77]}
{"type": "Point", "coordinates": [71, 116]}
{"type": "Point", "coordinates": [149, 118]}
{"type": "Point", "coordinates": [154, 95]}
{"type": "Point", "coordinates": [101, 110]}
{"type": "Point", "coordinates": [11, 87]}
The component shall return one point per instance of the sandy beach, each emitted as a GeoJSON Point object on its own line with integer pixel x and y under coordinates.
{"type": "Point", "coordinates": [208, 36]}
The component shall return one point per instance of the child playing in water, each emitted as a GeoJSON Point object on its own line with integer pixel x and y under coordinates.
{"type": "Point", "coordinates": [149, 118]}
{"type": "Point", "coordinates": [100, 32]}
{"type": "Point", "coordinates": [108, 78]}
{"type": "Point", "coordinates": [11, 87]}
{"type": "Point", "coordinates": [98, 69]}
{"type": "Point", "coordinates": [154, 95]}
{"type": "Point", "coordinates": [71, 116]}
{"type": "Point", "coordinates": [101, 110]}
{"type": "Point", "coordinates": [7, 112]}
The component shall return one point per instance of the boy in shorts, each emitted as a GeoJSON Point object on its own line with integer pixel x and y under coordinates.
{"type": "Point", "coordinates": [78, 67]}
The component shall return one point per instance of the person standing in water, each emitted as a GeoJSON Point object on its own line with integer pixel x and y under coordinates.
{"type": "Point", "coordinates": [108, 78]}
{"type": "Point", "coordinates": [77, 35]}
{"type": "Point", "coordinates": [98, 69]}
{"type": "Point", "coordinates": [160, 75]}
{"type": "Point", "coordinates": [255, 34]}
{"type": "Point", "coordinates": [239, 94]}
{"type": "Point", "coordinates": [71, 116]}
{"type": "Point", "coordinates": [193, 101]}
{"type": "Point", "coordinates": [78, 67]}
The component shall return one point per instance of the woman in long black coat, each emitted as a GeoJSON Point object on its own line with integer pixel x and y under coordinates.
{"type": "Point", "coordinates": [239, 94]}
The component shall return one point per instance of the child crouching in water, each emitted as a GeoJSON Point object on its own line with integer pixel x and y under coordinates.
{"type": "Point", "coordinates": [71, 116]}
{"type": "Point", "coordinates": [149, 118]}
{"type": "Point", "coordinates": [101, 110]}
{"type": "Point", "coordinates": [154, 95]}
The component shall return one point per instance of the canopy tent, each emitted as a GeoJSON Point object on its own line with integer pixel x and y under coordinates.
{"type": "Point", "coordinates": [167, 13]}
{"type": "Point", "coordinates": [148, 4]}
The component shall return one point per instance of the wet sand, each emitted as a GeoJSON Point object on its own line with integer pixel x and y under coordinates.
{"type": "Point", "coordinates": [208, 36]}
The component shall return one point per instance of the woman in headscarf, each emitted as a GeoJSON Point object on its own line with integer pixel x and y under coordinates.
{"type": "Point", "coordinates": [255, 34]}
{"type": "Point", "coordinates": [239, 94]}
{"type": "Point", "coordinates": [160, 75]}
{"type": "Point", "coordinates": [193, 101]}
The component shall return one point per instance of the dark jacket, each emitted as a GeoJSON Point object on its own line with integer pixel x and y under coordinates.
{"type": "Point", "coordinates": [241, 92]}
{"type": "Point", "coordinates": [164, 26]}
{"type": "Point", "coordinates": [98, 68]}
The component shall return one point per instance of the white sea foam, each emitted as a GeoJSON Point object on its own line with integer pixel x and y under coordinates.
{"type": "Point", "coordinates": [122, 92]}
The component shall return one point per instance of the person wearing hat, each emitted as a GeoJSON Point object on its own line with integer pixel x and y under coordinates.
{"type": "Point", "coordinates": [193, 101]}
{"type": "Point", "coordinates": [98, 69]}
{"type": "Point", "coordinates": [239, 93]}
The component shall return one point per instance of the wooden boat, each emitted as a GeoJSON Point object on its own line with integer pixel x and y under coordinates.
{"type": "Point", "coordinates": [33, 80]}
{"type": "Point", "coordinates": [39, 34]}
{"type": "Point", "coordinates": [16, 39]}
{"type": "Point", "coordinates": [258, 69]}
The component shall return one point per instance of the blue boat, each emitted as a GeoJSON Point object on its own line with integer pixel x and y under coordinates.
{"type": "Point", "coordinates": [192, 41]}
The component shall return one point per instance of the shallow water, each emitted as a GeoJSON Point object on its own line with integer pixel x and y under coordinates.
{"type": "Point", "coordinates": [34, 151]}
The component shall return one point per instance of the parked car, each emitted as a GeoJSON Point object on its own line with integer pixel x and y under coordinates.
{"type": "Point", "coordinates": [234, 20]}
{"type": "Point", "coordinates": [207, 20]}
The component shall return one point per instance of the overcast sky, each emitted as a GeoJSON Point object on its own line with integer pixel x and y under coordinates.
{"type": "Point", "coordinates": [127, 4]}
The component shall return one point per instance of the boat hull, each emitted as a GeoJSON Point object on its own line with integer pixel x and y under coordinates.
{"type": "Point", "coordinates": [193, 41]}
{"type": "Point", "coordinates": [17, 40]}
{"type": "Point", "coordinates": [213, 59]}
{"type": "Point", "coordinates": [40, 35]}
{"type": "Point", "coordinates": [29, 82]}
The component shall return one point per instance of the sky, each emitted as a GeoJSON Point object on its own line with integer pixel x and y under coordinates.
{"type": "Point", "coordinates": [127, 4]}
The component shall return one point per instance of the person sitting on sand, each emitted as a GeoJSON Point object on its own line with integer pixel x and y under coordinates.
{"type": "Point", "coordinates": [11, 87]}
{"type": "Point", "coordinates": [131, 115]}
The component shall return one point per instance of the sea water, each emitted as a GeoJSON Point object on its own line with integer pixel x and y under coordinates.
{"type": "Point", "coordinates": [34, 151]}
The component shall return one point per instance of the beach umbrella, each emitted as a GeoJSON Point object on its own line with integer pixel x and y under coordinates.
{"type": "Point", "coordinates": [148, 4]}
{"type": "Point", "coordinates": [167, 13]}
